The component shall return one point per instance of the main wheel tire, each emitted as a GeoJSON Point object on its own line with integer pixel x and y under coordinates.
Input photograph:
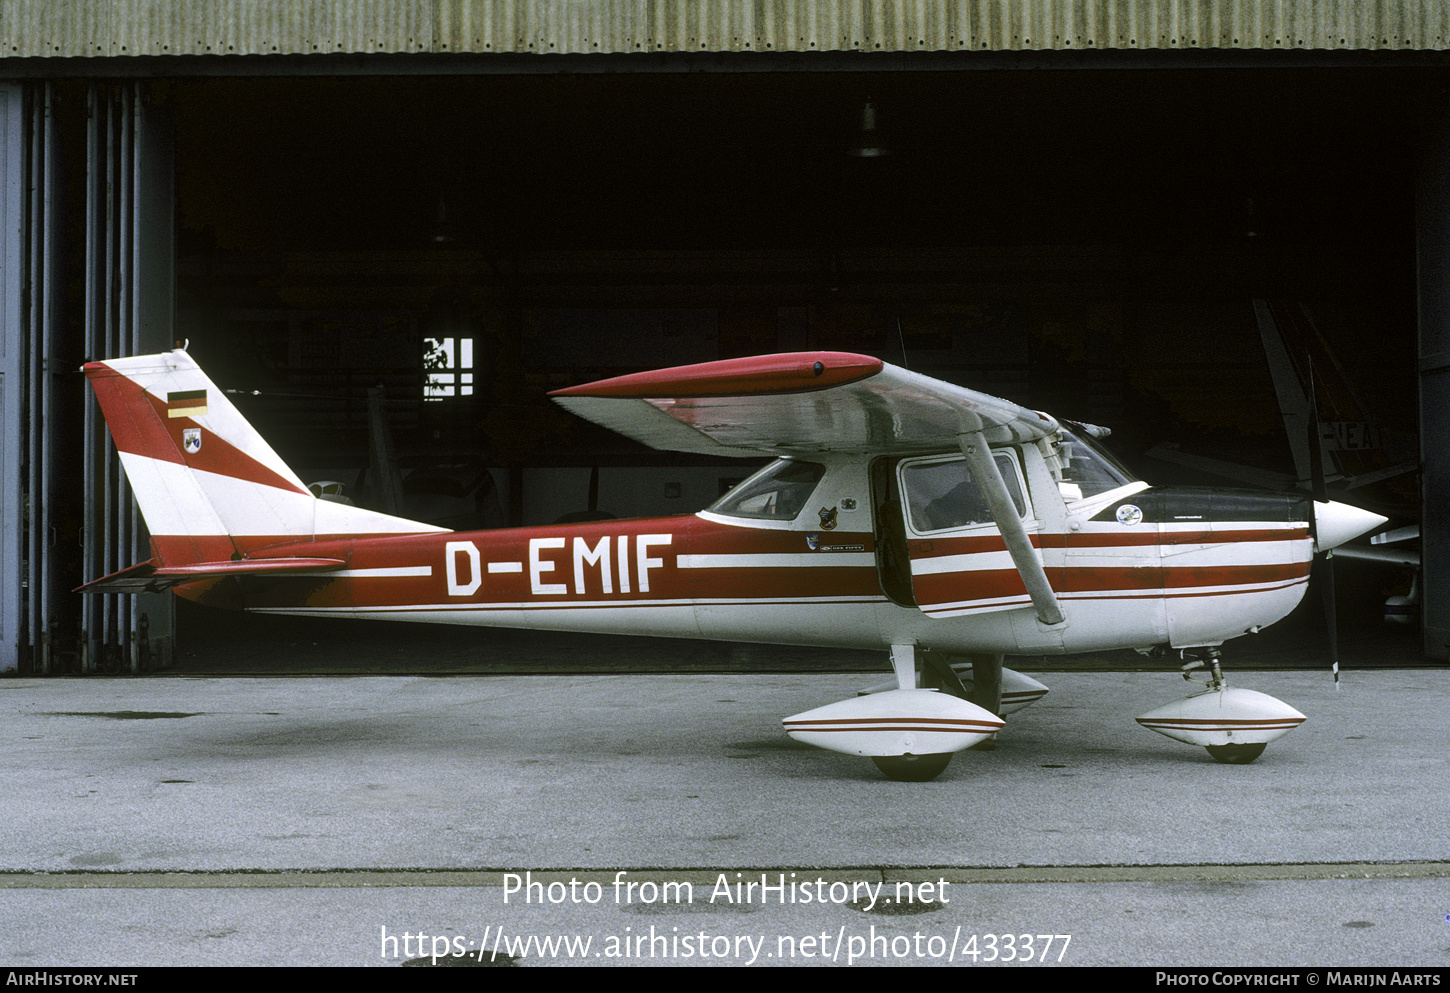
{"type": "Point", "coordinates": [1236, 754]}
{"type": "Point", "coordinates": [912, 768]}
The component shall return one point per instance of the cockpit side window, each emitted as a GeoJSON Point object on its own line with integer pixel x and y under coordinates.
{"type": "Point", "coordinates": [776, 493]}
{"type": "Point", "coordinates": [941, 494]}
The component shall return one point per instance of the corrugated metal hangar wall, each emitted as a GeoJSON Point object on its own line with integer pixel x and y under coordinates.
{"type": "Point", "coordinates": [132, 28]}
{"type": "Point", "coordinates": [301, 186]}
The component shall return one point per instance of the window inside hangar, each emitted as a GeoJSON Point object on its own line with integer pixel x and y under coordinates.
{"type": "Point", "coordinates": [448, 368]}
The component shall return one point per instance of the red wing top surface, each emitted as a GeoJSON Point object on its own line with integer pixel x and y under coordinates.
{"type": "Point", "coordinates": [798, 404]}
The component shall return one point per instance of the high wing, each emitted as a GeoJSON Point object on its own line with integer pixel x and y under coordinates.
{"type": "Point", "coordinates": [799, 403]}
{"type": "Point", "coordinates": [802, 403]}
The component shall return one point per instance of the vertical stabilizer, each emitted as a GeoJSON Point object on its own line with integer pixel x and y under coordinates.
{"type": "Point", "coordinates": [210, 487]}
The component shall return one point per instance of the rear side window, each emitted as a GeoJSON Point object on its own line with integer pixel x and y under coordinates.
{"type": "Point", "coordinates": [776, 493]}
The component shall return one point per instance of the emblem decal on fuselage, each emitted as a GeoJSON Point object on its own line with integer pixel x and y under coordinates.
{"type": "Point", "coordinates": [828, 518]}
{"type": "Point", "coordinates": [191, 440]}
{"type": "Point", "coordinates": [1128, 515]}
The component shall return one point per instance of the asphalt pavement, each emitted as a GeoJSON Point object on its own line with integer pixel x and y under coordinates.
{"type": "Point", "coordinates": [666, 819]}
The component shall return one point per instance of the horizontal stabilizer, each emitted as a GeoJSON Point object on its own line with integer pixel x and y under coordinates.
{"type": "Point", "coordinates": [148, 577]}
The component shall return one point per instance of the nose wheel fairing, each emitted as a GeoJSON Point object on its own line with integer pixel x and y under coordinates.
{"type": "Point", "coordinates": [1232, 723]}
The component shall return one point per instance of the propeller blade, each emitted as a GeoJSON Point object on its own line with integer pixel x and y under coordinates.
{"type": "Point", "coordinates": [1326, 591]}
{"type": "Point", "coordinates": [1321, 496]}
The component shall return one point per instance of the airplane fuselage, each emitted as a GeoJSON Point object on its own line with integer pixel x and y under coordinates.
{"type": "Point", "coordinates": [1177, 567]}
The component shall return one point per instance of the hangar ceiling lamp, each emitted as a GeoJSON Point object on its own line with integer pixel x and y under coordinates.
{"type": "Point", "coordinates": [441, 233]}
{"type": "Point", "coordinates": [868, 143]}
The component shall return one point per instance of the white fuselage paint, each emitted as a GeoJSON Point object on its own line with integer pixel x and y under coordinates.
{"type": "Point", "coordinates": [595, 583]}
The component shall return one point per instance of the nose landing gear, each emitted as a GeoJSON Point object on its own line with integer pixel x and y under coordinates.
{"type": "Point", "coordinates": [1233, 724]}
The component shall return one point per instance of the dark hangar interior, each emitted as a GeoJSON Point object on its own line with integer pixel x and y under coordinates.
{"type": "Point", "coordinates": [1089, 243]}
{"type": "Point", "coordinates": [1098, 238]}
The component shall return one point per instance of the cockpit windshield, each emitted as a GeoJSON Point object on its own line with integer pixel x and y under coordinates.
{"type": "Point", "coordinates": [1089, 466]}
{"type": "Point", "coordinates": [776, 493]}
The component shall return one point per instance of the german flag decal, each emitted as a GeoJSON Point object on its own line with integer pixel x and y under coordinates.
{"type": "Point", "coordinates": [186, 403]}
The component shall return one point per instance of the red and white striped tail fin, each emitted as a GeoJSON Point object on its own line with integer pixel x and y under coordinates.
{"type": "Point", "coordinates": [210, 487]}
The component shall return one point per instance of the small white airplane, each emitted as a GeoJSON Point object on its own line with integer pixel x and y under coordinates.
{"type": "Point", "coordinates": [902, 513]}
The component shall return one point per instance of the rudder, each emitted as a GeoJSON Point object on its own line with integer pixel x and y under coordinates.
{"type": "Point", "coordinates": [209, 486]}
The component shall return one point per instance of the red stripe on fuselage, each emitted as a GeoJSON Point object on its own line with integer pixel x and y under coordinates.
{"type": "Point", "coordinates": [1145, 576]}
{"type": "Point", "coordinates": [1105, 541]}
{"type": "Point", "coordinates": [540, 564]}
{"type": "Point", "coordinates": [540, 571]}
{"type": "Point", "coordinates": [818, 577]}
{"type": "Point", "coordinates": [180, 549]}
{"type": "Point", "coordinates": [460, 577]}
{"type": "Point", "coordinates": [959, 587]}
{"type": "Point", "coordinates": [1112, 584]}
{"type": "Point", "coordinates": [1171, 538]}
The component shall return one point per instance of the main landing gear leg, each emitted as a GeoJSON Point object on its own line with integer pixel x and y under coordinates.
{"type": "Point", "coordinates": [937, 673]}
{"type": "Point", "coordinates": [987, 682]}
{"type": "Point", "coordinates": [930, 670]}
{"type": "Point", "coordinates": [987, 691]}
{"type": "Point", "coordinates": [910, 732]}
{"type": "Point", "coordinates": [906, 660]}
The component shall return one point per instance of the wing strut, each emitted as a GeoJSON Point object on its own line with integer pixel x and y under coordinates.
{"type": "Point", "coordinates": [1004, 513]}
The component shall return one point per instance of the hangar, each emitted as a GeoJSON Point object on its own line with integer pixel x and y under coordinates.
{"type": "Point", "coordinates": [393, 226]}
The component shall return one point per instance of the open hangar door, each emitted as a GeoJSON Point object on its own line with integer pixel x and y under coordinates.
{"type": "Point", "coordinates": [1086, 242]}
